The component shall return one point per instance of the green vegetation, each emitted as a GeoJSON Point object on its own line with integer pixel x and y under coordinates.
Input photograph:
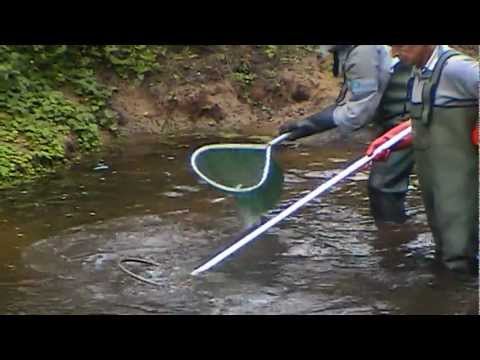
{"type": "Point", "coordinates": [49, 94]}
{"type": "Point", "coordinates": [243, 75]}
{"type": "Point", "coordinates": [53, 105]}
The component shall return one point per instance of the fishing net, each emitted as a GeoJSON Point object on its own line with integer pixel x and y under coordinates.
{"type": "Point", "coordinates": [247, 172]}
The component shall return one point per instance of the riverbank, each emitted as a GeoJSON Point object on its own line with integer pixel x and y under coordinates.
{"type": "Point", "coordinates": [58, 103]}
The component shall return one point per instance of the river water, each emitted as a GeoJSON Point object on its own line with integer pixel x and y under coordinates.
{"type": "Point", "coordinates": [61, 239]}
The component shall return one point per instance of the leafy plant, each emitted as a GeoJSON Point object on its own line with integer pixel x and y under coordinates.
{"type": "Point", "coordinates": [36, 118]}
{"type": "Point", "coordinates": [243, 74]}
{"type": "Point", "coordinates": [271, 51]}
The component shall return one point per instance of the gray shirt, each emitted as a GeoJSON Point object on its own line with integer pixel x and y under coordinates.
{"type": "Point", "coordinates": [366, 70]}
{"type": "Point", "coordinates": [459, 82]}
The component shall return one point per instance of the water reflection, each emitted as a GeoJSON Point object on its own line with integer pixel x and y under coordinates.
{"type": "Point", "coordinates": [329, 258]}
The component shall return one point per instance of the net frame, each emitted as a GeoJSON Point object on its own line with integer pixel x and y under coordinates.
{"type": "Point", "coordinates": [235, 190]}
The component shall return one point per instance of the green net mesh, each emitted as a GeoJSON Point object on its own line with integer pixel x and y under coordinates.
{"type": "Point", "coordinates": [245, 172]}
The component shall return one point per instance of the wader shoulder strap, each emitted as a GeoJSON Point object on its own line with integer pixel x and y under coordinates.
{"type": "Point", "coordinates": [431, 86]}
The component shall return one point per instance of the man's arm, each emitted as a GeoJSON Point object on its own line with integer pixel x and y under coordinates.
{"type": "Point", "coordinates": [461, 79]}
{"type": "Point", "coordinates": [366, 86]}
{"type": "Point", "coordinates": [365, 70]}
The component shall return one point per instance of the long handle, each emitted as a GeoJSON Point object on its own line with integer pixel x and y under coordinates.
{"type": "Point", "coordinates": [345, 173]}
{"type": "Point", "coordinates": [279, 139]}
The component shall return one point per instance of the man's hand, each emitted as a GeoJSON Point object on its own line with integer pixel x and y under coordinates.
{"type": "Point", "coordinates": [314, 124]}
{"type": "Point", "coordinates": [475, 136]}
{"type": "Point", "coordinates": [406, 142]}
{"type": "Point", "coordinates": [296, 128]}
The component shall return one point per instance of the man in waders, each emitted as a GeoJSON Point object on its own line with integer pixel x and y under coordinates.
{"type": "Point", "coordinates": [374, 90]}
{"type": "Point", "coordinates": [443, 93]}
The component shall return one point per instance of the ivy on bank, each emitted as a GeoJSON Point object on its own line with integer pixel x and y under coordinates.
{"type": "Point", "coordinates": [37, 116]}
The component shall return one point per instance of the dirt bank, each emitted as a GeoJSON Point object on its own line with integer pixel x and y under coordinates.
{"type": "Point", "coordinates": [66, 109]}
{"type": "Point", "coordinates": [237, 90]}
{"type": "Point", "coordinates": [233, 89]}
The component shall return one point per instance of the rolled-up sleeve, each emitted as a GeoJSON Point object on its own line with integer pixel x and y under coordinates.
{"type": "Point", "coordinates": [364, 88]}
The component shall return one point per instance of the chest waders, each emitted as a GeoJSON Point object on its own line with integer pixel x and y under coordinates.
{"type": "Point", "coordinates": [388, 181]}
{"type": "Point", "coordinates": [447, 166]}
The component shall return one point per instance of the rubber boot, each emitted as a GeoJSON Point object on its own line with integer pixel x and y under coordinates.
{"type": "Point", "coordinates": [387, 208]}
